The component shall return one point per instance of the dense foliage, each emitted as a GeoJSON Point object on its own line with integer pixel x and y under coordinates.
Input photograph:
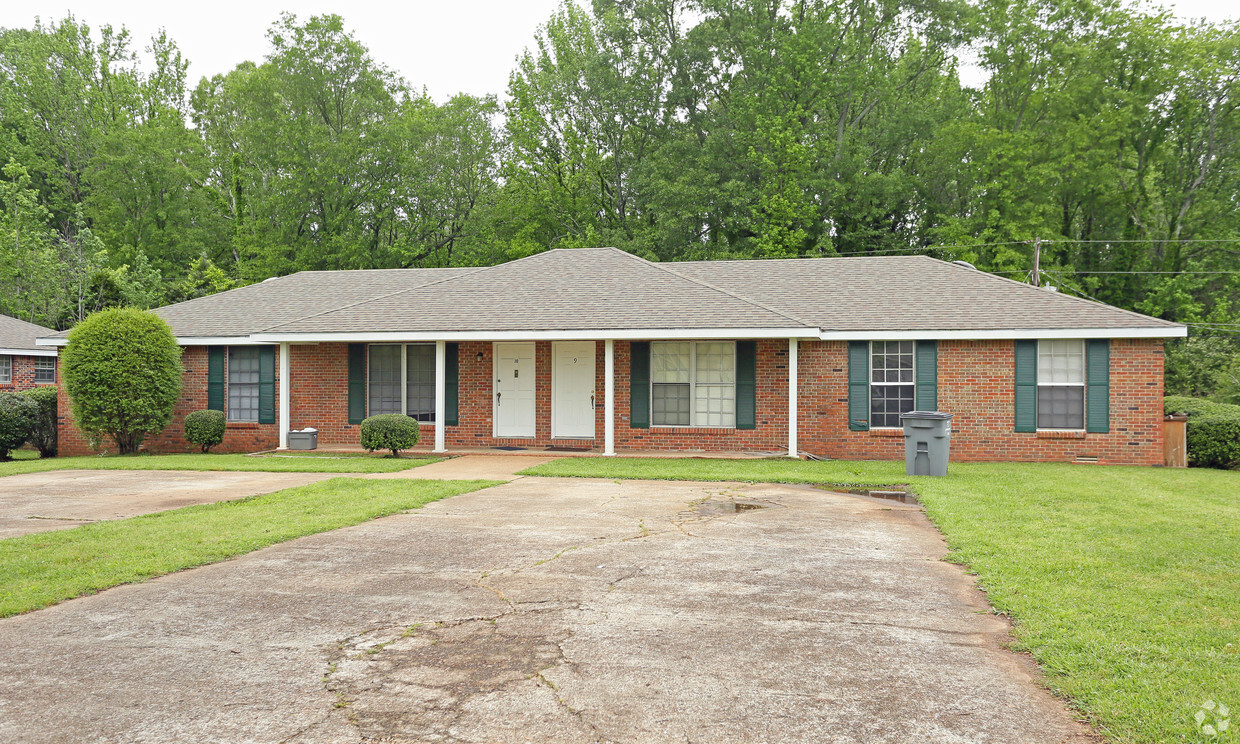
{"type": "Point", "coordinates": [1213, 431]}
{"type": "Point", "coordinates": [390, 431]}
{"type": "Point", "coordinates": [44, 436]}
{"type": "Point", "coordinates": [205, 428]}
{"type": "Point", "coordinates": [18, 416]}
{"type": "Point", "coordinates": [1104, 135]}
{"type": "Point", "coordinates": [122, 371]}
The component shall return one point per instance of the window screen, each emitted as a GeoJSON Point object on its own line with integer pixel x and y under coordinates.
{"type": "Point", "coordinates": [6, 369]}
{"type": "Point", "coordinates": [385, 382]}
{"type": "Point", "coordinates": [670, 369]}
{"type": "Point", "coordinates": [714, 397]}
{"type": "Point", "coordinates": [45, 370]}
{"type": "Point", "coordinates": [1061, 384]}
{"type": "Point", "coordinates": [243, 383]}
{"type": "Point", "coordinates": [891, 382]}
{"type": "Point", "coordinates": [420, 392]}
{"type": "Point", "coordinates": [693, 383]}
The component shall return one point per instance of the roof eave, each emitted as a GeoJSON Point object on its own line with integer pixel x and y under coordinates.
{"type": "Point", "coordinates": [981, 334]}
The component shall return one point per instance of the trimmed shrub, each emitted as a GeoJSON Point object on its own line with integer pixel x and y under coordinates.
{"type": "Point", "coordinates": [122, 370]}
{"type": "Point", "coordinates": [390, 431]}
{"type": "Point", "coordinates": [43, 437]}
{"type": "Point", "coordinates": [1213, 431]}
{"type": "Point", "coordinates": [18, 416]}
{"type": "Point", "coordinates": [205, 428]}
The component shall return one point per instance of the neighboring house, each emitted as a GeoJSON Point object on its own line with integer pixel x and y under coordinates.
{"type": "Point", "coordinates": [24, 364]}
{"type": "Point", "coordinates": [599, 348]}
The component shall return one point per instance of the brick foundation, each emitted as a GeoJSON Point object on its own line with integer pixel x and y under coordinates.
{"type": "Point", "coordinates": [975, 383]}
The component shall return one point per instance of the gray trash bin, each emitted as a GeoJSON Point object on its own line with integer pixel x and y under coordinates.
{"type": "Point", "coordinates": [306, 439]}
{"type": "Point", "coordinates": [927, 442]}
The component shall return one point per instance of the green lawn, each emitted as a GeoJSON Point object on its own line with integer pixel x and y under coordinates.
{"type": "Point", "coordinates": [1124, 583]}
{"type": "Point", "coordinates": [28, 462]}
{"type": "Point", "coordinates": [48, 567]}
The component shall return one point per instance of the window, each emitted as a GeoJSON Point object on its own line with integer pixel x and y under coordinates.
{"type": "Point", "coordinates": [891, 382]}
{"type": "Point", "coordinates": [1061, 384]}
{"type": "Point", "coordinates": [45, 370]}
{"type": "Point", "coordinates": [693, 383]}
{"type": "Point", "coordinates": [243, 383]}
{"type": "Point", "coordinates": [402, 379]}
{"type": "Point", "coordinates": [6, 369]}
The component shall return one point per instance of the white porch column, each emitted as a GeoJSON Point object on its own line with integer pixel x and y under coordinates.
{"type": "Point", "coordinates": [792, 398]}
{"type": "Point", "coordinates": [284, 395]}
{"type": "Point", "coordinates": [441, 395]}
{"type": "Point", "coordinates": [609, 398]}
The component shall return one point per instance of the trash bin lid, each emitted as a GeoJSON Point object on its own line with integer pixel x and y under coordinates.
{"type": "Point", "coordinates": [933, 415]}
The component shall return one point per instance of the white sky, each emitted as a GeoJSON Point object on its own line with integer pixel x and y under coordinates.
{"type": "Point", "coordinates": [448, 46]}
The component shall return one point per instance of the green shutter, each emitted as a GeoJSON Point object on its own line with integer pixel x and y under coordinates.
{"type": "Point", "coordinates": [1026, 386]}
{"type": "Point", "coordinates": [927, 376]}
{"type": "Point", "coordinates": [1098, 385]}
{"type": "Point", "coordinates": [746, 384]}
{"type": "Point", "coordinates": [639, 385]}
{"type": "Point", "coordinates": [452, 380]}
{"type": "Point", "coordinates": [267, 385]}
{"type": "Point", "coordinates": [357, 383]}
{"type": "Point", "coordinates": [859, 385]}
{"type": "Point", "coordinates": [215, 377]}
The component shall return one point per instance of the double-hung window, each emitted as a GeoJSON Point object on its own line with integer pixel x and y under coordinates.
{"type": "Point", "coordinates": [243, 383]}
{"type": "Point", "coordinates": [892, 389]}
{"type": "Point", "coordinates": [1061, 384]}
{"type": "Point", "coordinates": [44, 370]}
{"type": "Point", "coordinates": [693, 383]}
{"type": "Point", "coordinates": [402, 380]}
{"type": "Point", "coordinates": [6, 369]}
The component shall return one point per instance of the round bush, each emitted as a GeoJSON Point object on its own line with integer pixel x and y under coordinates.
{"type": "Point", "coordinates": [43, 437]}
{"type": "Point", "coordinates": [18, 416]}
{"type": "Point", "coordinates": [390, 431]}
{"type": "Point", "coordinates": [122, 370]}
{"type": "Point", "coordinates": [205, 428]}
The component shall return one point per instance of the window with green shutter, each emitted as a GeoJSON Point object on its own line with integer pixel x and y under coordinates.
{"type": "Point", "coordinates": [452, 384]}
{"type": "Point", "coordinates": [1026, 378]}
{"type": "Point", "coordinates": [357, 383]}
{"type": "Point", "coordinates": [1098, 386]}
{"type": "Point", "coordinates": [639, 385]}
{"type": "Point", "coordinates": [267, 385]}
{"type": "Point", "coordinates": [746, 384]}
{"type": "Point", "coordinates": [927, 368]}
{"type": "Point", "coordinates": [215, 377]}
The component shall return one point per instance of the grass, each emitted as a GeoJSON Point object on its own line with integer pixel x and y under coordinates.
{"type": "Point", "coordinates": [1124, 583]}
{"type": "Point", "coordinates": [28, 462]}
{"type": "Point", "coordinates": [45, 568]}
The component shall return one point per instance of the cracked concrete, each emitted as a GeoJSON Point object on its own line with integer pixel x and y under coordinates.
{"type": "Point", "coordinates": [547, 610]}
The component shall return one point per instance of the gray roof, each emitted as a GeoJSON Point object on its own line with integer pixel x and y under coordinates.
{"type": "Point", "coordinates": [18, 335]}
{"type": "Point", "coordinates": [601, 289]}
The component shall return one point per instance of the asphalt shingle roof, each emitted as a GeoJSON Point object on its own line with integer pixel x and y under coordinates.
{"type": "Point", "coordinates": [18, 334]}
{"type": "Point", "coordinates": [599, 289]}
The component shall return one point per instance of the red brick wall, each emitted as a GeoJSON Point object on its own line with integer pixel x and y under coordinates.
{"type": "Point", "coordinates": [22, 378]}
{"type": "Point", "coordinates": [976, 384]}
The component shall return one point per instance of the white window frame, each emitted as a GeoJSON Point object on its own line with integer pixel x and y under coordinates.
{"type": "Point", "coordinates": [228, 386]}
{"type": "Point", "coordinates": [42, 360]}
{"type": "Point", "coordinates": [404, 379]}
{"type": "Point", "coordinates": [693, 385]}
{"type": "Point", "coordinates": [6, 369]}
{"type": "Point", "coordinates": [870, 390]}
{"type": "Point", "coordinates": [1082, 385]}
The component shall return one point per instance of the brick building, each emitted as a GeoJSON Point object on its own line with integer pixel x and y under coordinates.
{"type": "Point", "coordinates": [23, 363]}
{"type": "Point", "coordinates": [596, 348]}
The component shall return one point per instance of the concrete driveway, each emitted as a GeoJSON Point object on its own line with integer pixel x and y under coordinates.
{"type": "Point", "coordinates": [58, 499]}
{"type": "Point", "coordinates": [547, 610]}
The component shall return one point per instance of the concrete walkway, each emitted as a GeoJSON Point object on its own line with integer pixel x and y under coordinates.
{"type": "Point", "coordinates": [59, 499]}
{"type": "Point", "coordinates": [547, 610]}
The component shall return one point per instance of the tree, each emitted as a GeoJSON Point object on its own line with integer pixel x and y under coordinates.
{"type": "Point", "coordinates": [122, 371]}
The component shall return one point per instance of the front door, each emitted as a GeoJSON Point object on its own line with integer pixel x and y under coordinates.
{"type": "Point", "coordinates": [572, 390]}
{"type": "Point", "coordinates": [514, 390]}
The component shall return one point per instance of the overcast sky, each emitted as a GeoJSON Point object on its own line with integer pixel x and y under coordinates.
{"type": "Point", "coordinates": [448, 46]}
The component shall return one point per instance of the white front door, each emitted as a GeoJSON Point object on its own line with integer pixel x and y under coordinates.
{"type": "Point", "coordinates": [572, 390]}
{"type": "Point", "coordinates": [514, 390]}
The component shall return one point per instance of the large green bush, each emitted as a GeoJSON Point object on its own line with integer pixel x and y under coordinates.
{"type": "Point", "coordinates": [1213, 431]}
{"type": "Point", "coordinates": [390, 431]}
{"type": "Point", "coordinates": [205, 428]}
{"type": "Point", "coordinates": [122, 370]}
{"type": "Point", "coordinates": [18, 415]}
{"type": "Point", "coordinates": [43, 437]}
